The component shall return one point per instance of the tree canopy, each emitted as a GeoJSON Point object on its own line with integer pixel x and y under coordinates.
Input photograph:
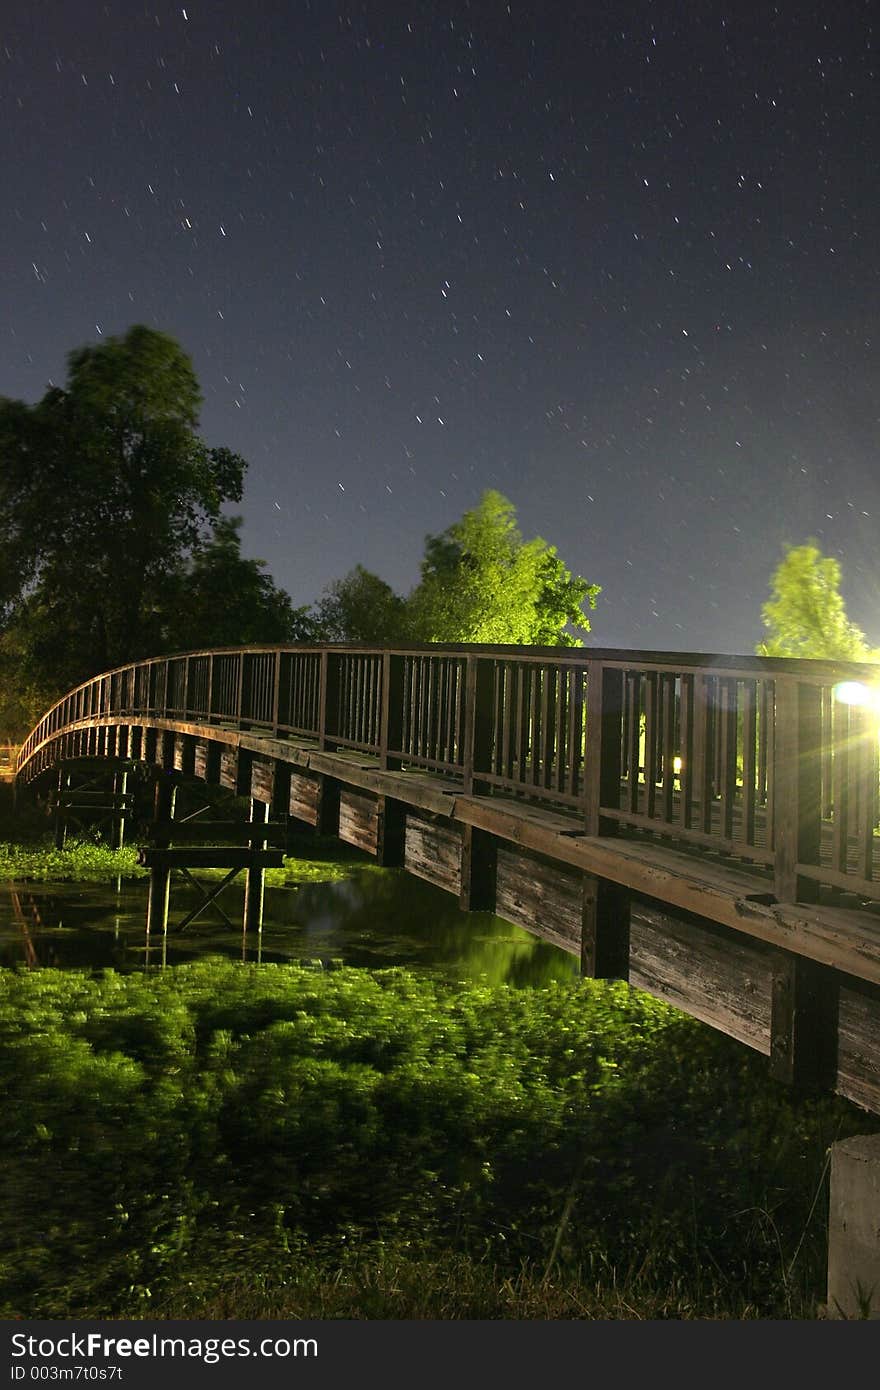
{"type": "Point", "coordinates": [480, 582]}
{"type": "Point", "coordinates": [805, 615]}
{"type": "Point", "coordinates": [361, 607]}
{"type": "Point", "coordinates": [224, 599]}
{"type": "Point", "coordinates": [109, 503]}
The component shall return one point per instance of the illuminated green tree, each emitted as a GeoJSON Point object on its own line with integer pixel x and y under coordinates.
{"type": "Point", "coordinates": [482, 582]}
{"type": "Point", "coordinates": [805, 615]}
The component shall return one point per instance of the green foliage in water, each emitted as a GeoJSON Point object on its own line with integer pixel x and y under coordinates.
{"type": "Point", "coordinates": [86, 861]}
{"type": "Point", "coordinates": [81, 861]}
{"type": "Point", "coordinates": [217, 1124]}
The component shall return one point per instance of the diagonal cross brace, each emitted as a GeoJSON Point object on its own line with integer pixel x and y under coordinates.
{"type": "Point", "coordinates": [209, 896]}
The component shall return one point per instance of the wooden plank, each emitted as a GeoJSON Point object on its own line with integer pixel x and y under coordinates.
{"type": "Point", "coordinates": [328, 806]}
{"type": "Point", "coordinates": [602, 765]}
{"type": "Point", "coordinates": [209, 857]}
{"type": "Point", "coordinates": [686, 744]}
{"type": "Point", "coordinates": [433, 851]}
{"type": "Point", "coordinates": [803, 1022]}
{"type": "Point", "coordinates": [263, 780]}
{"type": "Point", "coordinates": [667, 706]}
{"type": "Point", "coordinates": [228, 775]}
{"type": "Point", "coordinates": [390, 832]}
{"type": "Point", "coordinates": [727, 754]}
{"type": "Point", "coordinates": [605, 929]}
{"type": "Point", "coordinates": [840, 760]}
{"type": "Point", "coordinates": [304, 798]}
{"type": "Point", "coordinates": [633, 736]}
{"type": "Point", "coordinates": [858, 1046]}
{"type": "Point", "coordinates": [358, 820]}
{"type": "Point", "coordinates": [538, 895]}
{"type": "Point", "coordinates": [797, 778]}
{"type": "Point", "coordinates": [200, 759]}
{"type": "Point", "coordinates": [651, 744]}
{"type": "Point", "coordinates": [714, 976]}
{"type": "Point", "coordinates": [478, 872]}
{"type": "Point", "coordinates": [749, 759]}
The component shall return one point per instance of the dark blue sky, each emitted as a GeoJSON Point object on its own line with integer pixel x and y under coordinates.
{"type": "Point", "coordinates": [618, 261]}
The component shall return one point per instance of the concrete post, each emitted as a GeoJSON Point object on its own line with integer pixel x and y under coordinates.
{"type": "Point", "coordinates": [854, 1228]}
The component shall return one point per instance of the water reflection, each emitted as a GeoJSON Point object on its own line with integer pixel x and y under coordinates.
{"type": "Point", "coordinates": [371, 919]}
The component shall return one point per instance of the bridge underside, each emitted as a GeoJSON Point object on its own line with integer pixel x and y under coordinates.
{"type": "Point", "coordinates": [799, 983]}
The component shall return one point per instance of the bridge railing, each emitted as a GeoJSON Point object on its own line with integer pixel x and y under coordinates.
{"type": "Point", "coordinates": [767, 760]}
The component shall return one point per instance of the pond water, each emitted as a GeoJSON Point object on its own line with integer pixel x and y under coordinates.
{"type": "Point", "coordinates": [373, 917]}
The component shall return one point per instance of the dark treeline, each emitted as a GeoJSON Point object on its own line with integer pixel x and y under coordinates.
{"type": "Point", "coordinates": [118, 543]}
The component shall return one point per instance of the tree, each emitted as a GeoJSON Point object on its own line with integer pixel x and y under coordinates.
{"type": "Point", "coordinates": [361, 607]}
{"type": "Point", "coordinates": [805, 616]}
{"type": "Point", "coordinates": [106, 492]}
{"type": "Point", "coordinates": [481, 582]}
{"type": "Point", "coordinates": [227, 600]}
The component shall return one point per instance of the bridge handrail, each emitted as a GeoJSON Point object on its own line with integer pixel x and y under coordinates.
{"type": "Point", "coordinates": [752, 756]}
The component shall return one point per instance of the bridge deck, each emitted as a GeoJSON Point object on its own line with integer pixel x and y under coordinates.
{"type": "Point", "coordinates": [732, 891]}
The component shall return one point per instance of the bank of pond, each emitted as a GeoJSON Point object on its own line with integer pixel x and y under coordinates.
{"type": "Point", "coordinates": [333, 1133]}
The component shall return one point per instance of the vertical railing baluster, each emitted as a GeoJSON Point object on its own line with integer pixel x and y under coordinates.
{"type": "Point", "coordinates": [797, 788]}
{"type": "Point", "coordinates": [749, 759]}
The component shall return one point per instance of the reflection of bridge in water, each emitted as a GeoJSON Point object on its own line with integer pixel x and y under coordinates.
{"type": "Point", "coordinates": [705, 827]}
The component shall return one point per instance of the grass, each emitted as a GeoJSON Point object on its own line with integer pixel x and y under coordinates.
{"type": "Point", "coordinates": [228, 1140]}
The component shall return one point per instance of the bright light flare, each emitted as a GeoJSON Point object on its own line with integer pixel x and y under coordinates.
{"type": "Point", "coordinates": [855, 693]}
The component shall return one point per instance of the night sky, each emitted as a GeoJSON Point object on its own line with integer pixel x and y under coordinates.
{"type": "Point", "coordinates": [618, 261]}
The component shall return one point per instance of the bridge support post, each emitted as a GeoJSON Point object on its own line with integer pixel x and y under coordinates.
{"type": "Point", "coordinates": [117, 833]}
{"type": "Point", "coordinates": [327, 806]}
{"type": "Point", "coordinates": [479, 862]}
{"type": "Point", "coordinates": [797, 789]}
{"type": "Point", "coordinates": [854, 1229]}
{"type": "Point", "coordinates": [803, 1023]}
{"type": "Point", "coordinates": [390, 833]}
{"type": "Point", "coordinates": [64, 780]}
{"type": "Point", "coordinates": [255, 876]}
{"type": "Point", "coordinates": [604, 929]}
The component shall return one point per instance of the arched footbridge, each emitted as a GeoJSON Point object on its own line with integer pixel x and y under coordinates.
{"type": "Point", "coordinates": [705, 827]}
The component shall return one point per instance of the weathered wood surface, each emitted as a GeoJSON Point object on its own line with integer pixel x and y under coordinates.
{"type": "Point", "coordinates": [263, 780]}
{"type": "Point", "coordinates": [704, 971]}
{"type": "Point", "coordinates": [858, 1056]}
{"type": "Point", "coordinates": [304, 798]}
{"type": "Point", "coordinates": [229, 767]}
{"type": "Point", "coordinates": [543, 897]}
{"type": "Point", "coordinates": [433, 851]}
{"type": "Point", "coordinates": [358, 820]}
{"type": "Point", "coordinates": [209, 857]}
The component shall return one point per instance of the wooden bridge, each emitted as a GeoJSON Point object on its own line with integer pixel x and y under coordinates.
{"type": "Point", "coordinates": [705, 827]}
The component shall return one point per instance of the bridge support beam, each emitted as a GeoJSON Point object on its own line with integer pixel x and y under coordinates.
{"type": "Point", "coordinates": [804, 1022]}
{"type": "Point", "coordinates": [327, 806]}
{"type": "Point", "coordinates": [255, 875]}
{"type": "Point", "coordinates": [854, 1229]}
{"type": "Point", "coordinates": [84, 797]}
{"type": "Point", "coordinates": [479, 870]}
{"type": "Point", "coordinates": [390, 832]}
{"type": "Point", "coordinates": [604, 930]}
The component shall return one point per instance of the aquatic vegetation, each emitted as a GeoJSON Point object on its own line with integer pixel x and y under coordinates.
{"type": "Point", "coordinates": [172, 1135]}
